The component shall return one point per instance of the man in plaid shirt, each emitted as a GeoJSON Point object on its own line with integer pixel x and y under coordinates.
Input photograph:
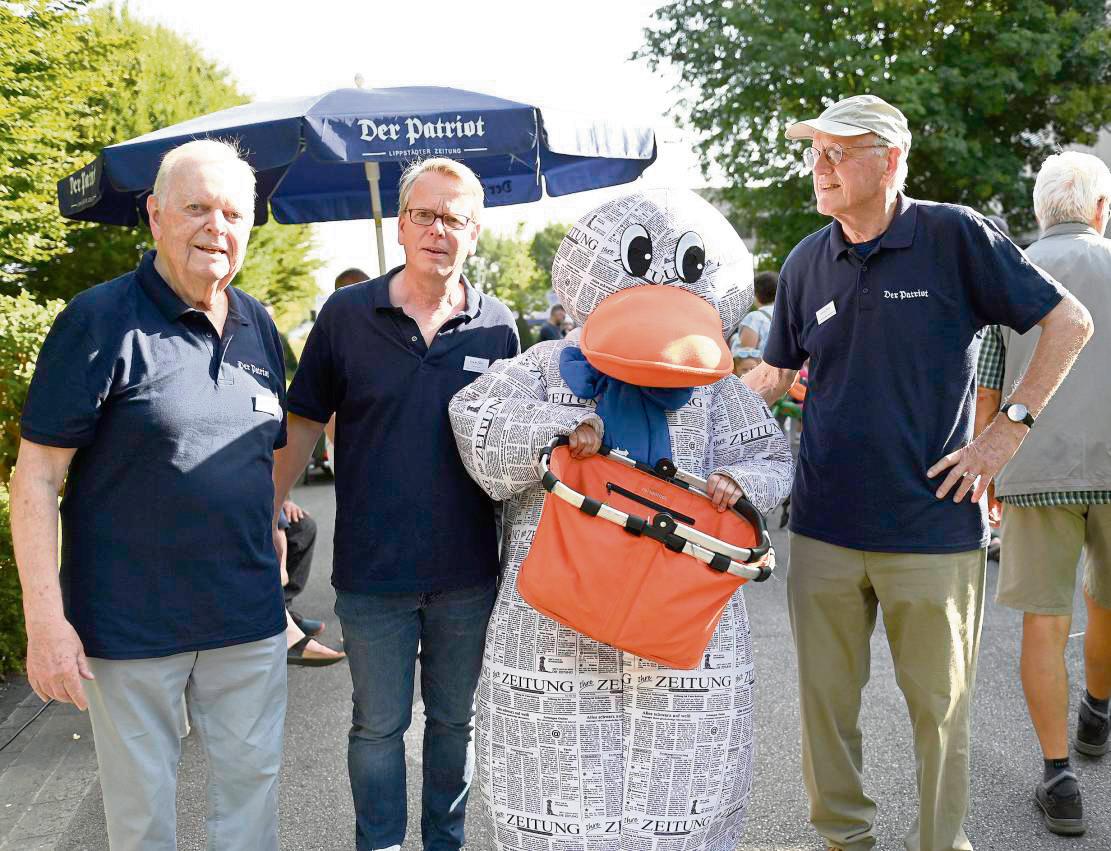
{"type": "Point", "coordinates": [1057, 488]}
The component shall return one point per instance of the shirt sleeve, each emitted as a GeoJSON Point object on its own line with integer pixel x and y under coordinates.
{"type": "Point", "coordinates": [513, 340]}
{"type": "Point", "coordinates": [989, 365]}
{"type": "Point", "coordinates": [784, 348]}
{"type": "Point", "coordinates": [73, 374]}
{"type": "Point", "coordinates": [317, 388]}
{"type": "Point", "coordinates": [1006, 288]}
{"type": "Point", "coordinates": [278, 358]}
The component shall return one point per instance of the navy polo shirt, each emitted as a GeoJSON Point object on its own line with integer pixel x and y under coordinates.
{"type": "Point", "coordinates": [408, 517]}
{"type": "Point", "coordinates": [166, 542]}
{"type": "Point", "coordinates": [892, 347]}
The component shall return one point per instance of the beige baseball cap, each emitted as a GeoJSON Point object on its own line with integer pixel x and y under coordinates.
{"type": "Point", "coordinates": [856, 116]}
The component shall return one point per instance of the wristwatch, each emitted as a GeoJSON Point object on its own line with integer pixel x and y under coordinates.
{"type": "Point", "coordinates": [1018, 413]}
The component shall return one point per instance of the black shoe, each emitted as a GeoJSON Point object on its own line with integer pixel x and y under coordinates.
{"type": "Point", "coordinates": [310, 627]}
{"type": "Point", "coordinates": [1092, 728]}
{"type": "Point", "coordinates": [1063, 814]}
{"type": "Point", "coordinates": [994, 546]}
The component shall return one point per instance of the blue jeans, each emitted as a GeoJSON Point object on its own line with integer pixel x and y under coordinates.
{"type": "Point", "coordinates": [382, 634]}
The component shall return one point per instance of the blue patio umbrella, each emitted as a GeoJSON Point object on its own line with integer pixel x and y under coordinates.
{"type": "Point", "coordinates": [340, 155]}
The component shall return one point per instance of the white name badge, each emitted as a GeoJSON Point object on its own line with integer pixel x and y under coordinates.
{"type": "Point", "coordinates": [473, 364]}
{"type": "Point", "coordinates": [268, 405]}
{"type": "Point", "coordinates": [825, 313]}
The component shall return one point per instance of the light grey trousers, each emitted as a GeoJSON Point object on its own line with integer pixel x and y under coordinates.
{"type": "Point", "coordinates": [236, 698]}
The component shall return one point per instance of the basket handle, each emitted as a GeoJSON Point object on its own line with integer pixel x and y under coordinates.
{"type": "Point", "coordinates": [678, 537]}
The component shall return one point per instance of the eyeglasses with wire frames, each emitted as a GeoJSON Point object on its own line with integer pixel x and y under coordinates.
{"type": "Point", "coordinates": [452, 221]}
{"type": "Point", "coordinates": [833, 153]}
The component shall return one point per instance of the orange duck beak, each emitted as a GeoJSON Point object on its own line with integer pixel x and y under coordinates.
{"type": "Point", "coordinates": [656, 336]}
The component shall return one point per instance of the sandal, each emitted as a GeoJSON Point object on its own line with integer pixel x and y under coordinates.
{"type": "Point", "coordinates": [295, 655]}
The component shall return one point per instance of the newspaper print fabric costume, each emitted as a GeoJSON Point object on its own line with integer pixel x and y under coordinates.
{"type": "Point", "coordinates": [580, 746]}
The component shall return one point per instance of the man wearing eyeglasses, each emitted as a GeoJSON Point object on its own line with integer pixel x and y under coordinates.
{"type": "Point", "coordinates": [887, 508]}
{"type": "Point", "coordinates": [415, 544]}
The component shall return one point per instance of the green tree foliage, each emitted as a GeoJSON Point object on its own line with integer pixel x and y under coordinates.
{"type": "Point", "coordinates": [279, 271]}
{"type": "Point", "coordinates": [990, 88]}
{"type": "Point", "coordinates": [543, 248]}
{"type": "Point", "coordinates": [131, 78]}
{"type": "Point", "coordinates": [23, 325]}
{"type": "Point", "coordinates": [57, 77]}
{"type": "Point", "coordinates": [13, 640]}
{"type": "Point", "coordinates": [505, 268]}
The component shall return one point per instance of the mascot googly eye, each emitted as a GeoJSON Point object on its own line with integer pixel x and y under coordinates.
{"type": "Point", "coordinates": [690, 257]}
{"type": "Point", "coordinates": [636, 250]}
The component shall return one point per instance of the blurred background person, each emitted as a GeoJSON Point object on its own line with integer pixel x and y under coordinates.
{"type": "Point", "coordinates": [354, 275]}
{"type": "Point", "coordinates": [553, 328]}
{"type": "Point", "coordinates": [752, 335]}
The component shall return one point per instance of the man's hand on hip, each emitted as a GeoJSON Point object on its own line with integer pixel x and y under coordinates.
{"type": "Point", "coordinates": [974, 466]}
{"type": "Point", "coordinates": [56, 663]}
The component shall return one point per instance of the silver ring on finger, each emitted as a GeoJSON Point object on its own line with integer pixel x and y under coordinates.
{"type": "Point", "coordinates": [968, 474]}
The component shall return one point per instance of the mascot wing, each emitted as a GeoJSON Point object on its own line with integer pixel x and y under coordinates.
{"type": "Point", "coordinates": [503, 420]}
{"type": "Point", "coordinates": [748, 446]}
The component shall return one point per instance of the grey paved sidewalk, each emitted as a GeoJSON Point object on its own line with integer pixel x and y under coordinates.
{"type": "Point", "coordinates": [45, 774]}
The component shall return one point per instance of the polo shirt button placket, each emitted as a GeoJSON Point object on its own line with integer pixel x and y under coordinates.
{"type": "Point", "coordinates": [865, 290]}
{"type": "Point", "coordinates": [222, 347]}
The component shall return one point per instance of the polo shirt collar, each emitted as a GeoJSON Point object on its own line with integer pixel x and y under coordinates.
{"type": "Point", "coordinates": [169, 303]}
{"type": "Point", "coordinates": [158, 291]}
{"type": "Point", "coordinates": [1068, 228]}
{"type": "Point", "coordinates": [472, 298]}
{"type": "Point", "coordinates": [899, 234]}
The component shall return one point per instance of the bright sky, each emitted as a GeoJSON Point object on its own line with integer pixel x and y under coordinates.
{"type": "Point", "coordinates": [566, 54]}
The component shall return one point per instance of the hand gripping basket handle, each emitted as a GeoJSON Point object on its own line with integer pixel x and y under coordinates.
{"type": "Point", "coordinates": [663, 527]}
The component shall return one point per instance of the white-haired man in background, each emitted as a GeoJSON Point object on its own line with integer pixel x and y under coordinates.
{"type": "Point", "coordinates": [1056, 491]}
{"type": "Point", "coordinates": [157, 401]}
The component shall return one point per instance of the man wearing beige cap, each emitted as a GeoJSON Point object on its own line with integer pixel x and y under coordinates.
{"type": "Point", "coordinates": [887, 510]}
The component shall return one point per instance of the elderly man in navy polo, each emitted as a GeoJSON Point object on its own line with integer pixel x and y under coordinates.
{"type": "Point", "coordinates": [887, 509]}
{"type": "Point", "coordinates": [157, 399]}
{"type": "Point", "coordinates": [415, 544]}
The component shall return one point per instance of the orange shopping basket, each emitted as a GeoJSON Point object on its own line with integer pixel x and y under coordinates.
{"type": "Point", "coordinates": [637, 556]}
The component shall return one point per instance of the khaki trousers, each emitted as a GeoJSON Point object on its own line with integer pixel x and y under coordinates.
{"type": "Point", "coordinates": [932, 610]}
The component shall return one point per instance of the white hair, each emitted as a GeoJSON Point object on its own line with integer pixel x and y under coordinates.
{"type": "Point", "coordinates": [899, 181]}
{"type": "Point", "coordinates": [1069, 187]}
{"type": "Point", "coordinates": [441, 165]}
{"type": "Point", "coordinates": [202, 150]}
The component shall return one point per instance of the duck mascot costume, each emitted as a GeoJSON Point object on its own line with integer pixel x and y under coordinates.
{"type": "Point", "coordinates": [582, 746]}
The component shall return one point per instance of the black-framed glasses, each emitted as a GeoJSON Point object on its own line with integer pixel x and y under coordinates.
{"type": "Point", "coordinates": [833, 153]}
{"type": "Point", "coordinates": [451, 221]}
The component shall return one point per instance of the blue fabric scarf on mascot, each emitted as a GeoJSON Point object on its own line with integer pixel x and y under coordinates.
{"type": "Point", "coordinates": [635, 417]}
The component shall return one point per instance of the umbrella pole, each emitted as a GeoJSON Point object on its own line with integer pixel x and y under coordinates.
{"type": "Point", "coordinates": [373, 175]}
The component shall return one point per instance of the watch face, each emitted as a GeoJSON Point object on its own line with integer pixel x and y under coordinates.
{"type": "Point", "coordinates": [1017, 412]}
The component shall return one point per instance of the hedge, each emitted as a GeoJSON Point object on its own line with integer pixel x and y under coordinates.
{"type": "Point", "coordinates": [23, 326]}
